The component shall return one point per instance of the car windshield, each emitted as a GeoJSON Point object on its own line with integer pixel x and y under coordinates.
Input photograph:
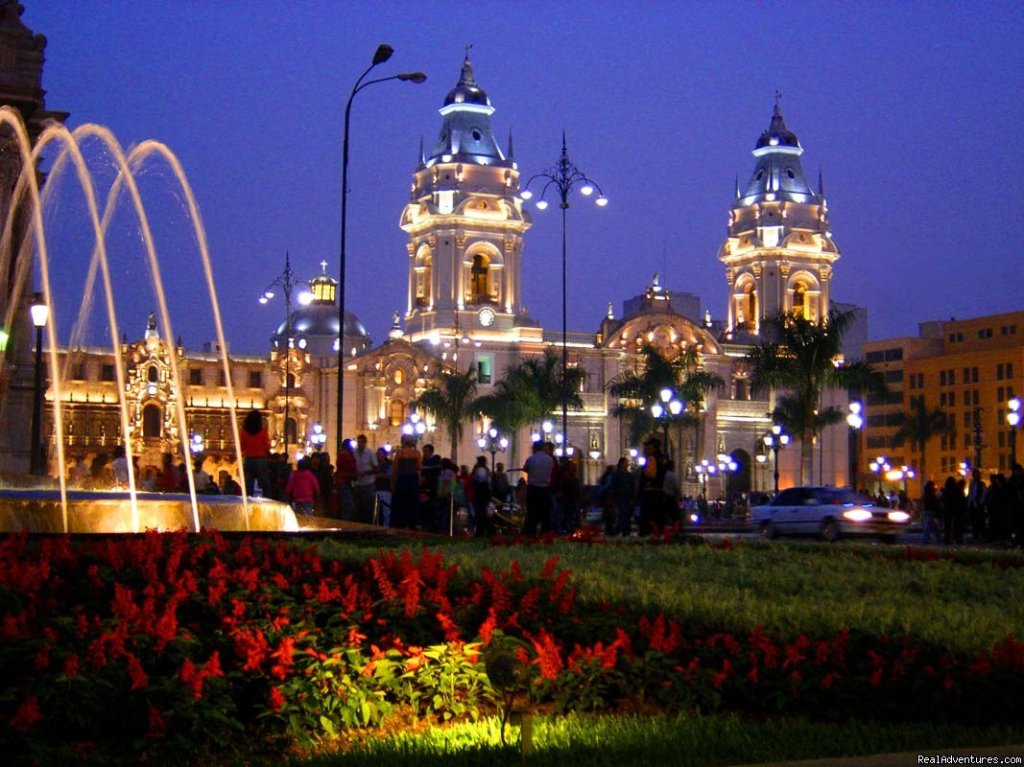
{"type": "Point", "coordinates": [843, 497]}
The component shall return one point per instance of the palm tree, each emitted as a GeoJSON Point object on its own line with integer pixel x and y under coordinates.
{"type": "Point", "coordinates": [639, 388]}
{"type": "Point", "coordinates": [920, 426]}
{"type": "Point", "coordinates": [451, 402]}
{"type": "Point", "coordinates": [798, 357]}
{"type": "Point", "coordinates": [532, 390]}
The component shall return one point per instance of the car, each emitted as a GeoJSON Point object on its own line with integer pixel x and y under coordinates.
{"type": "Point", "coordinates": [829, 513]}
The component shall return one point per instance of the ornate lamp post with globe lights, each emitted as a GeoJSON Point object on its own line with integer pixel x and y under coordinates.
{"type": "Point", "coordinates": [563, 176]}
{"type": "Point", "coordinates": [414, 427]}
{"type": "Point", "coordinates": [382, 54]}
{"type": "Point", "coordinates": [775, 440]}
{"type": "Point", "coordinates": [1013, 415]}
{"type": "Point", "coordinates": [855, 420]}
{"type": "Point", "coordinates": [880, 467]}
{"type": "Point", "coordinates": [287, 283]}
{"type": "Point", "coordinates": [318, 438]}
{"type": "Point", "coordinates": [492, 441]}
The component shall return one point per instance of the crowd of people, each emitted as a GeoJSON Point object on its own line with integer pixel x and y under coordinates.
{"type": "Point", "coordinates": [980, 512]}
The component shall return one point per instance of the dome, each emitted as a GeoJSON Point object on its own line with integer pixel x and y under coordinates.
{"type": "Point", "coordinates": [466, 91]}
{"type": "Point", "coordinates": [777, 133]}
{"type": "Point", "coordinates": [315, 329]}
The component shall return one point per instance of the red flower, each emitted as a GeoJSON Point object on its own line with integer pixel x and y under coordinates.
{"type": "Point", "coordinates": [136, 674]}
{"type": "Point", "coordinates": [284, 655]}
{"type": "Point", "coordinates": [277, 700]}
{"type": "Point", "coordinates": [27, 715]}
{"type": "Point", "coordinates": [549, 659]}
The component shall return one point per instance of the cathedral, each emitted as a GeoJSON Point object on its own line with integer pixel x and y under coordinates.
{"type": "Point", "coordinates": [466, 224]}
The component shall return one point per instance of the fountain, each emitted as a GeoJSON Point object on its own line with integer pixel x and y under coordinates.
{"type": "Point", "coordinates": [58, 509]}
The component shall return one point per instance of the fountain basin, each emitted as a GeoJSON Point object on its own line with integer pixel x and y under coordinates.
{"type": "Point", "coordinates": [109, 511]}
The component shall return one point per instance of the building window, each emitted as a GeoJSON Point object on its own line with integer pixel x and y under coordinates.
{"type": "Point", "coordinates": [999, 372]}
{"type": "Point", "coordinates": [483, 370]}
{"type": "Point", "coordinates": [893, 355]}
{"type": "Point", "coordinates": [480, 279]}
{"type": "Point", "coordinates": [255, 379]}
{"type": "Point", "coordinates": [942, 378]}
{"type": "Point", "coordinates": [153, 374]}
{"type": "Point", "coordinates": [893, 376]}
{"type": "Point", "coordinates": [221, 378]}
{"type": "Point", "coordinates": [78, 372]}
{"type": "Point", "coordinates": [999, 394]}
{"type": "Point", "coordinates": [874, 357]}
{"type": "Point", "coordinates": [423, 278]}
{"type": "Point", "coordinates": [399, 377]}
{"type": "Point", "coordinates": [107, 373]}
{"type": "Point", "coordinates": [976, 397]}
{"type": "Point", "coordinates": [1009, 370]}
{"type": "Point", "coordinates": [152, 421]}
{"type": "Point", "coordinates": [801, 301]}
{"type": "Point", "coordinates": [195, 376]}
{"type": "Point", "coordinates": [397, 412]}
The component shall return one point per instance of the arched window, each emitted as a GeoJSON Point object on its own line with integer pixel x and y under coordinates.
{"type": "Point", "coordinates": [291, 381]}
{"type": "Point", "coordinates": [399, 376]}
{"type": "Point", "coordinates": [153, 375]}
{"type": "Point", "coordinates": [289, 431]}
{"type": "Point", "coordinates": [152, 420]}
{"type": "Point", "coordinates": [746, 308]}
{"type": "Point", "coordinates": [801, 301]}
{"type": "Point", "coordinates": [480, 279]}
{"type": "Point", "coordinates": [423, 279]}
{"type": "Point", "coordinates": [397, 414]}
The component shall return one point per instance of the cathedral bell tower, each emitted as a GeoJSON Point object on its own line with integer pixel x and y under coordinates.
{"type": "Point", "coordinates": [779, 252]}
{"type": "Point", "coordinates": [465, 223]}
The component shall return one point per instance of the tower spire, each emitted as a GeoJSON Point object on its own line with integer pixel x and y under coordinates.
{"type": "Point", "coordinates": [510, 154]}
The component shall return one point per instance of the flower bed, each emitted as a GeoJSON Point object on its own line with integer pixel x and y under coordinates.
{"type": "Point", "coordinates": [160, 645]}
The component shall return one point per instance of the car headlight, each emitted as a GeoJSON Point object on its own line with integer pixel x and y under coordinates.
{"type": "Point", "coordinates": [857, 515]}
{"type": "Point", "coordinates": [899, 516]}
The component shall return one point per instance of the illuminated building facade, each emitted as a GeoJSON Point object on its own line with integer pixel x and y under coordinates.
{"type": "Point", "coordinates": [970, 369]}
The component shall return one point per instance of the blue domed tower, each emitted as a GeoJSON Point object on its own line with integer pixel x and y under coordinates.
{"type": "Point", "coordinates": [778, 252]}
{"type": "Point", "coordinates": [465, 224]}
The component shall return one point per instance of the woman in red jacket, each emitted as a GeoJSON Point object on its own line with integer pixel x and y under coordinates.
{"type": "Point", "coordinates": [255, 453]}
{"type": "Point", "coordinates": [303, 488]}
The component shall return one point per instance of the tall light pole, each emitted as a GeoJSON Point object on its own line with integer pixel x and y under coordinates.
{"type": "Point", "coordinates": [855, 420]}
{"type": "Point", "coordinates": [287, 282]}
{"type": "Point", "coordinates": [493, 442]}
{"type": "Point", "coordinates": [775, 440]}
{"type": "Point", "coordinates": [40, 313]}
{"type": "Point", "coordinates": [1013, 416]}
{"type": "Point", "coordinates": [563, 176]}
{"type": "Point", "coordinates": [382, 54]}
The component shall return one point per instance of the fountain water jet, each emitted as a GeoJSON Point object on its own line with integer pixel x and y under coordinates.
{"type": "Point", "coordinates": [127, 166]}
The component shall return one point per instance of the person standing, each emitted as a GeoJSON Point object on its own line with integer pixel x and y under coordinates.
{"type": "Point", "coordinates": [976, 507]}
{"type": "Point", "coordinates": [954, 510]}
{"type": "Point", "coordinates": [344, 476]}
{"type": "Point", "coordinates": [538, 469]}
{"type": "Point", "coordinates": [405, 484]}
{"type": "Point", "coordinates": [302, 488]}
{"type": "Point", "coordinates": [430, 510]}
{"type": "Point", "coordinates": [931, 509]}
{"type": "Point", "coordinates": [325, 477]}
{"type": "Point", "coordinates": [623, 493]}
{"type": "Point", "coordinates": [119, 466]}
{"type": "Point", "coordinates": [652, 488]}
{"type": "Point", "coordinates": [255, 444]}
{"type": "Point", "coordinates": [364, 487]}
{"type": "Point", "coordinates": [500, 489]}
{"type": "Point", "coordinates": [481, 497]}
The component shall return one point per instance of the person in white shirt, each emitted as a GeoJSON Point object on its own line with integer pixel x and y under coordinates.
{"type": "Point", "coordinates": [365, 485]}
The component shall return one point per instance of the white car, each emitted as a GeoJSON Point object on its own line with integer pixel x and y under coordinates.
{"type": "Point", "coordinates": [829, 513]}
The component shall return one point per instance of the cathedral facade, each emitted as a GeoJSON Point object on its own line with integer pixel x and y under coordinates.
{"type": "Point", "coordinates": [466, 228]}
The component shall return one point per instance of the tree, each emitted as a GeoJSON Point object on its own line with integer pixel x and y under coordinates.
{"type": "Point", "coordinates": [798, 357]}
{"type": "Point", "coordinates": [641, 387]}
{"type": "Point", "coordinates": [919, 426]}
{"type": "Point", "coordinates": [451, 402]}
{"type": "Point", "coordinates": [532, 390]}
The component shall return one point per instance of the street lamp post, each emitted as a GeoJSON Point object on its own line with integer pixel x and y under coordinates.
{"type": "Point", "coordinates": [903, 474]}
{"type": "Point", "coordinates": [1013, 416]}
{"type": "Point", "coordinates": [775, 440]}
{"type": "Point", "coordinates": [666, 410]}
{"type": "Point", "coordinates": [414, 427]}
{"type": "Point", "coordinates": [855, 420]}
{"type": "Point", "coordinates": [492, 441]}
{"type": "Point", "coordinates": [287, 282]}
{"type": "Point", "coordinates": [880, 467]}
{"type": "Point", "coordinates": [382, 54]}
{"type": "Point", "coordinates": [563, 176]}
{"type": "Point", "coordinates": [318, 438]}
{"type": "Point", "coordinates": [40, 314]}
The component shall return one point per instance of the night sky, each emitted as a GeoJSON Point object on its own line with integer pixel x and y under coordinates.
{"type": "Point", "coordinates": [913, 110]}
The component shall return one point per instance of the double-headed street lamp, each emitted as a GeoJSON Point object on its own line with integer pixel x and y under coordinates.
{"type": "Point", "coordinates": [775, 440]}
{"type": "Point", "coordinates": [855, 420]}
{"type": "Point", "coordinates": [382, 54]}
{"type": "Point", "coordinates": [40, 314]}
{"type": "Point", "coordinates": [563, 176]}
{"type": "Point", "coordinates": [666, 409]}
{"type": "Point", "coordinates": [414, 427]}
{"type": "Point", "coordinates": [705, 469]}
{"type": "Point", "coordinates": [880, 467]}
{"type": "Point", "coordinates": [1013, 416]}
{"type": "Point", "coordinates": [492, 441]}
{"type": "Point", "coordinates": [287, 283]}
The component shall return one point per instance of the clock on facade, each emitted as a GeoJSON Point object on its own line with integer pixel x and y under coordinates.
{"type": "Point", "coordinates": [486, 316]}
